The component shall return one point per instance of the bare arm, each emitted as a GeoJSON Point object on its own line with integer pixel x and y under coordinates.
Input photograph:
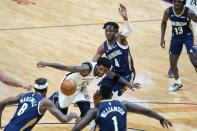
{"type": "Point", "coordinates": [163, 27]}
{"type": "Point", "coordinates": [13, 82]}
{"type": "Point", "coordinates": [9, 101]}
{"type": "Point", "coordinates": [46, 104]}
{"type": "Point", "coordinates": [99, 53]}
{"type": "Point", "coordinates": [130, 107]}
{"type": "Point", "coordinates": [84, 68]}
{"type": "Point", "coordinates": [129, 27]}
{"type": "Point", "coordinates": [191, 15]}
{"type": "Point", "coordinates": [126, 83]}
{"type": "Point", "coordinates": [90, 115]}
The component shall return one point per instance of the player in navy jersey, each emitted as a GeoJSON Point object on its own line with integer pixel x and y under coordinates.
{"type": "Point", "coordinates": [111, 115]}
{"type": "Point", "coordinates": [182, 34]}
{"type": "Point", "coordinates": [116, 48]}
{"type": "Point", "coordinates": [31, 108]}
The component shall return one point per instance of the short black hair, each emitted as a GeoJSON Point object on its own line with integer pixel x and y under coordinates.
{"type": "Point", "coordinates": [183, 1]}
{"type": "Point", "coordinates": [105, 62]}
{"type": "Point", "coordinates": [41, 81]}
{"type": "Point", "coordinates": [106, 90]}
{"type": "Point", "coordinates": [114, 24]}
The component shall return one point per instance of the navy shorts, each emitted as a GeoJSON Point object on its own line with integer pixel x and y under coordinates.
{"type": "Point", "coordinates": [117, 86]}
{"type": "Point", "coordinates": [176, 46]}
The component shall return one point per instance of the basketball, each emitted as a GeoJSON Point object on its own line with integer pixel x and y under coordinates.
{"type": "Point", "coordinates": [68, 87]}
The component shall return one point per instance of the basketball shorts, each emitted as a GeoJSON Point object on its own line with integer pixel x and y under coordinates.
{"type": "Point", "coordinates": [117, 87]}
{"type": "Point", "coordinates": [176, 46]}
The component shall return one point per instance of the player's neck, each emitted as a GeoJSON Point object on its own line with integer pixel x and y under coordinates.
{"type": "Point", "coordinates": [110, 43]}
{"type": "Point", "coordinates": [179, 11]}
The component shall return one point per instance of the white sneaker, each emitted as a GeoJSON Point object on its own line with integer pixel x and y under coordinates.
{"type": "Point", "coordinates": [175, 87]}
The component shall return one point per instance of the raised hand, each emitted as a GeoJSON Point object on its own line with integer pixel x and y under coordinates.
{"type": "Point", "coordinates": [123, 12]}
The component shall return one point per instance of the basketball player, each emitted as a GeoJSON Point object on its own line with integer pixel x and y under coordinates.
{"type": "Point", "coordinates": [116, 48]}
{"type": "Point", "coordinates": [83, 75]}
{"type": "Point", "coordinates": [181, 17]}
{"type": "Point", "coordinates": [6, 79]}
{"type": "Point", "coordinates": [32, 107]}
{"type": "Point", "coordinates": [111, 115]}
{"type": "Point", "coordinates": [192, 4]}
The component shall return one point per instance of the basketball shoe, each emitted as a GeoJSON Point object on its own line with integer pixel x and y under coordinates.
{"type": "Point", "coordinates": [175, 87]}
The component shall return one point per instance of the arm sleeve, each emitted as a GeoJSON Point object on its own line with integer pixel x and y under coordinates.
{"type": "Point", "coordinates": [128, 30]}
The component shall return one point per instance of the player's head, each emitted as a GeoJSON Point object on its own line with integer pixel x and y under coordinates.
{"type": "Point", "coordinates": [102, 67]}
{"type": "Point", "coordinates": [178, 4]}
{"type": "Point", "coordinates": [111, 29]}
{"type": "Point", "coordinates": [40, 86]}
{"type": "Point", "coordinates": [106, 91]}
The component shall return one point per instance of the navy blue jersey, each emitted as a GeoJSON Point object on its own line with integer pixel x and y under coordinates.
{"type": "Point", "coordinates": [112, 116]}
{"type": "Point", "coordinates": [181, 25]}
{"type": "Point", "coordinates": [120, 57]}
{"type": "Point", "coordinates": [54, 97]}
{"type": "Point", "coordinates": [27, 113]}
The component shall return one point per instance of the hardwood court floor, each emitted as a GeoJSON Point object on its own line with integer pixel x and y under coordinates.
{"type": "Point", "coordinates": [69, 32]}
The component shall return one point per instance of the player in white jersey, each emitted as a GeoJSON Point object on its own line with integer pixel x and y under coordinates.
{"type": "Point", "coordinates": [83, 75]}
{"type": "Point", "coordinates": [192, 4]}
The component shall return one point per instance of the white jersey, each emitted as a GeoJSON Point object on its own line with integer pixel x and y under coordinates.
{"type": "Point", "coordinates": [65, 101]}
{"type": "Point", "coordinates": [192, 4]}
{"type": "Point", "coordinates": [79, 79]}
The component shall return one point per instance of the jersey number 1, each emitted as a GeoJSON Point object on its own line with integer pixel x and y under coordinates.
{"type": "Point", "coordinates": [115, 123]}
{"type": "Point", "coordinates": [22, 109]}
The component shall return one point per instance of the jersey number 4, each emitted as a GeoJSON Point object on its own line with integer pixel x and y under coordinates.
{"type": "Point", "coordinates": [22, 109]}
{"type": "Point", "coordinates": [116, 62]}
{"type": "Point", "coordinates": [178, 30]}
{"type": "Point", "coordinates": [193, 2]}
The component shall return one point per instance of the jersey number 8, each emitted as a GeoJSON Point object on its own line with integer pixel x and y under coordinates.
{"type": "Point", "coordinates": [22, 109]}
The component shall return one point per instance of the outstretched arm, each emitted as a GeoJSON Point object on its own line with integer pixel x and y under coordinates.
{"type": "Point", "coordinates": [46, 104]}
{"type": "Point", "coordinates": [82, 69]}
{"type": "Point", "coordinates": [90, 115]}
{"type": "Point", "coordinates": [130, 107]}
{"type": "Point", "coordinates": [163, 27]}
{"type": "Point", "coordinates": [99, 53]}
{"type": "Point", "coordinates": [9, 101]}
{"type": "Point", "coordinates": [13, 82]}
{"type": "Point", "coordinates": [116, 78]}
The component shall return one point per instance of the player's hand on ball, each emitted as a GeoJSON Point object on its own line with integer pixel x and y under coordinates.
{"type": "Point", "coordinates": [41, 64]}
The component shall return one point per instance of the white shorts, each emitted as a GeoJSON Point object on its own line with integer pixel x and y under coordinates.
{"type": "Point", "coordinates": [65, 101]}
